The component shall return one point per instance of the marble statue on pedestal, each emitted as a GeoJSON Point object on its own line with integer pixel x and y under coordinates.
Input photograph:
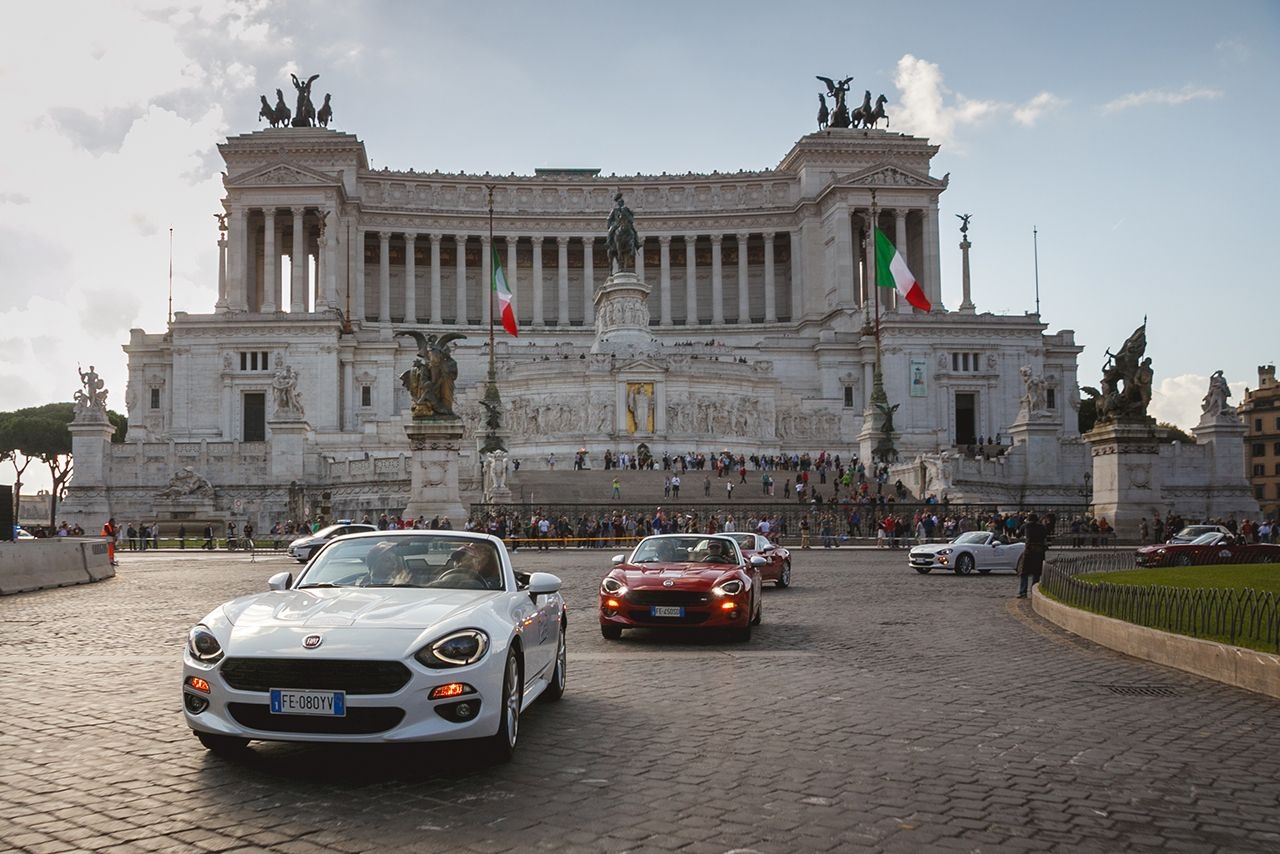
{"type": "Point", "coordinates": [430, 381]}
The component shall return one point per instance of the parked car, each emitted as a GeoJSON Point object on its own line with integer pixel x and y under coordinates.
{"type": "Point", "coordinates": [1209, 547]}
{"type": "Point", "coordinates": [973, 550]}
{"type": "Point", "coordinates": [683, 581]}
{"type": "Point", "coordinates": [389, 636]}
{"type": "Point", "coordinates": [777, 567]}
{"type": "Point", "coordinates": [1192, 532]}
{"type": "Point", "coordinates": [21, 533]}
{"type": "Point", "coordinates": [305, 546]}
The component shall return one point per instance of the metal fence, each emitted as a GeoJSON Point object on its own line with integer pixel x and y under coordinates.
{"type": "Point", "coordinates": [1245, 617]}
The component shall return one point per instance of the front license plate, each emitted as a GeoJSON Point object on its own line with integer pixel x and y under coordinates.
{"type": "Point", "coordinates": [665, 611]}
{"type": "Point", "coordinates": [331, 704]}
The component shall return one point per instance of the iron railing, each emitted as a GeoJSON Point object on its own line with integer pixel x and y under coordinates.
{"type": "Point", "coordinates": [1246, 617]}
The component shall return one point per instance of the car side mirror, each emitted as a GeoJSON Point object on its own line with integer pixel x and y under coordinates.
{"type": "Point", "coordinates": [756, 560]}
{"type": "Point", "coordinates": [616, 559]}
{"type": "Point", "coordinates": [541, 583]}
{"type": "Point", "coordinates": [280, 581]}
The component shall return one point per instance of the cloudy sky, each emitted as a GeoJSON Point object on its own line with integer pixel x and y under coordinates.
{"type": "Point", "coordinates": [1135, 137]}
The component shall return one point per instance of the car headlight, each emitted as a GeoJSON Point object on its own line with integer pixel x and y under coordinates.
{"type": "Point", "coordinates": [456, 650]}
{"type": "Point", "coordinates": [612, 587]}
{"type": "Point", "coordinates": [945, 551]}
{"type": "Point", "coordinates": [203, 646]}
{"type": "Point", "coordinates": [732, 587]}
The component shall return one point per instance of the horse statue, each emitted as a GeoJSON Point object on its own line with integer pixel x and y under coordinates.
{"type": "Point", "coordinates": [823, 114]}
{"type": "Point", "coordinates": [622, 240]}
{"type": "Point", "coordinates": [858, 116]}
{"type": "Point", "coordinates": [282, 111]}
{"type": "Point", "coordinates": [840, 113]}
{"type": "Point", "coordinates": [870, 119]}
{"type": "Point", "coordinates": [267, 112]}
{"type": "Point", "coordinates": [326, 112]}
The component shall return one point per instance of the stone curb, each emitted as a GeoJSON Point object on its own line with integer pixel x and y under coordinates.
{"type": "Point", "coordinates": [1232, 665]}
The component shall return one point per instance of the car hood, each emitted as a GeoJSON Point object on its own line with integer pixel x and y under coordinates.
{"type": "Point", "coordinates": [682, 575]}
{"type": "Point", "coordinates": [346, 607]}
{"type": "Point", "coordinates": [932, 548]}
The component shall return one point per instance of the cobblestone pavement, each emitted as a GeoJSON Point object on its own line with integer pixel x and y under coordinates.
{"type": "Point", "coordinates": [875, 709]}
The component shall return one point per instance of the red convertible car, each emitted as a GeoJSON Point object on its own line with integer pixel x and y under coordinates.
{"type": "Point", "coordinates": [1209, 548]}
{"type": "Point", "coordinates": [778, 560]}
{"type": "Point", "coordinates": [682, 581]}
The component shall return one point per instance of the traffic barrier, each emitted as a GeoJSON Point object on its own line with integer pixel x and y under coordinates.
{"type": "Point", "coordinates": [55, 562]}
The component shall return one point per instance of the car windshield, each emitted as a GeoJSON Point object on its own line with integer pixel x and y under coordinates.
{"type": "Point", "coordinates": [1193, 531]}
{"type": "Point", "coordinates": [977, 537]}
{"type": "Point", "coordinates": [745, 541]}
{"type": "Point", "coordinates": [1207, 539]}
{"type": "Point", "coordinates": [416, 561]}
{"type": "Point", "coordinates": [685, 549]}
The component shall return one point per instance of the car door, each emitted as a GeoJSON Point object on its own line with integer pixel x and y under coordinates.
{"type": "Point", "coordinates": [1002, 555]}
{"type": "Point", "coordinates": [536, 617]}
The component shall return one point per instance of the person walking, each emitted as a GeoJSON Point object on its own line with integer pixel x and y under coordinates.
{"type": "Point", "coordinates": [1037, 539]}
{"type": "Point", "coordinates": [109, 531]}
{"type": "Point", "coordinates": [208, 538]}
{"type": "Point", "coordinates": [182, 536]}
{"type": "Point", "coordinates": [804, 531]}
{"type": "Point", "coordinates": [617, 487]}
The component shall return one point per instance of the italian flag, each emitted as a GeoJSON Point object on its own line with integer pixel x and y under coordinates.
{"type": "Point", "coordinates": [892, 272]}
{"type": "Point", "coordinates": [503, 294]}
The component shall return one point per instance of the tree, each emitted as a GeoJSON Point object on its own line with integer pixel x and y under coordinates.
{"type": "Point", "coordinates": [1087, 415]}
{"type": "Point", "coordinates": [1174, 433]}
{"type": "Point", "coordinates": [41, 433]}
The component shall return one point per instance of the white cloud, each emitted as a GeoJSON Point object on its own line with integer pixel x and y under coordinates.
{"type": "Point", "coordinates": [1179, 400]}
{"type": "Point", "coordinates": [1029, 113]}
{"type": "Point", "coordinates": [1162, 97]}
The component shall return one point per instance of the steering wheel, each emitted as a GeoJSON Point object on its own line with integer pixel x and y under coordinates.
{"type": "Point", "coordinates": [461, 577]}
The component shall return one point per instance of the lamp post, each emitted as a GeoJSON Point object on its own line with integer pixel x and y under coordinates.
{"type": "Point", "coordinates": [1088, 489]}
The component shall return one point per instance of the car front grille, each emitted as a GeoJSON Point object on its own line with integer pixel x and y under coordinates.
{"type": "Point", "coordinates": [358, 721]}
{"type": "Point", "coordinates": [667, 597]}
{"type": "Point", "coordinates": [319, 674]}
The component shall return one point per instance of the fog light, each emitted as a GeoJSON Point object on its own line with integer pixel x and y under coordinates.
{"type": "Point", "coordinates": [728, 606]}
{"type": "Point", "coordinates": [464, 710]}
{"type": "Point", "coordinates": [453, 689]}
{"type": "Point", "coordinates": [198, 684]}
{"type": "Point", "coordinates": [612, 603]}
{"type": "Point", "coordinates": [195, 705]}
{"type": "Point", "coordinates": [459, 712]}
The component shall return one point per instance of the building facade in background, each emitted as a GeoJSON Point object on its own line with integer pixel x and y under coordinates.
{"type": "Point", "coordinates": [1260, 411]}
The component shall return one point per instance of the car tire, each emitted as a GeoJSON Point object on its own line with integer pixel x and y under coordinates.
{"type": "Point", "coordinates": [223, 745]}
{"type": "Point", "coordinates": [759, 616]}
{"type": "Point", "coordinates": [784, 576]}
{"type": "Point", "coordinates": [502, 744]}
{"type": "Point", "coordinates": [555, 688]}
{"type": "Point", "coordinates": [610, 632]}
{"type": "Point", "coordinates": [741, 634]}
{"type": "Point", "coordinates": [964, 564]}
{"type": "Point", "coordinates": [1182, 560]}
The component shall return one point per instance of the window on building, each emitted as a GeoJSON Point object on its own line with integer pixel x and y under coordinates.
{"type": "Point", "coordinates": [1259, 449]}
{"type": "Point", "coordinates": [964, 361]}
{"type": "Point", "coordinates": [1257, 425]}
{"type": "Point", "coordinates": [155, 398]}
{"type": "Point", "coordinates": [848, 397]}
{"type": "Point", "coordinates": [1051, 398]}
{"type": "Point", "coordinates": [1275, 449]}
{"type": "Point", "coordinates": [1278, 423]}
{"type": "Point", "coordinates": [254, 360]}
{"type": "Point", "coordinates": [1259, 470]}
{"type": "Point", "coordinates": [955, 361]}
{"type": "Point", "coordinates": [255, 416]}
{"type": "Point", "coordinates": [1259, 492]}
{"type": "Point", "coordinates": [366, 395]}
{"type": "Point", "coordinates": [1278, 468]}
{"type": "Point", "coordinates": [975, 362]}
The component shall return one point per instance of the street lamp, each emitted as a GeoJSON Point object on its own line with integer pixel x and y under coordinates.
{"type": "Point", "coordinates": [1088, 488]}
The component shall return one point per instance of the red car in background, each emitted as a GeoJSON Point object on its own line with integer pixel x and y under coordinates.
{"type": "Point", "coordinates": [778, 560]}
{"type": "Point", "coordinates": [682, 581]}
{"type": "Point", "coordinates": [1208, 548]}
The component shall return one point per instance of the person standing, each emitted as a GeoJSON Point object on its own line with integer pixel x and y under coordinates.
{"type": "Point", "coordinates": [182, 536]}
{"type": "Point", "coordinates": [804, 531]}
{"type": "Point", "coordinates": [728, 488]}
{"type": "Point", "coordinates": [208, 538]}
{"type": "Point", "coordinates": [109, 531]}
{"type": "Point", "coordinates": [617, 487]}
{"type": "Point", "coordinates": [675, 486]}
{"type": "Point", "coordinates": [1037, 539]}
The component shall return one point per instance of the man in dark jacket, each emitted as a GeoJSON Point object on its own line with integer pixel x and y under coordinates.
{"type": "Point", "coordinates": [1037, 538]}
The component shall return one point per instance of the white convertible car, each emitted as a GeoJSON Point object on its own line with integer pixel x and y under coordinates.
{"type": "Point", "coordinates": [975, 550]}
{"type": "Point", "coordinates": [385, 637]}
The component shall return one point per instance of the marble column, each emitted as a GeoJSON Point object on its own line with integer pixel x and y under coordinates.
{"type": "Point", "coordinates": [562, 281]}
{"type": "Point", "coordinates": [357, 305]}
{"type": "Point", "coordinates": [770, 280]}
{"type": "Point", "coordinates": [271, 295]}
{"type": "Point", "coordinates": [640, 260]}
{"type": "Point", "coordinates": [486, 275]}
{"type": "Point", "coordinates": [691, 279]}
{"type": "Point", "coordinates": [664, 288]}
{"type": "Point", "coordinates": [588, 280]}
{"type": "Point", "coordinates": [932, 271]}
{"type": "Point", "coordinates": [797, 276]}
{"type": "Point", "coordinates": [744, 298]}
{"type": "Point", "coordinates": [349, 392]}
{"type": "Point", "coordinates": [384, 277]}
{"type": "Point", "coordinates": [460, 240]}
{"type": "Point", "coordinates": [328, 297]}
{"type": "Point", "coordinates": [842, 262]}
{"type": "Point", "coordinates": [221, 304]}
{"type": "Point", "coordinates": [410, 279]}
{"type": "Point", "coordinates": [537, 280]}
{"type": "Point", "coordinates": [717, 282]}
{"type": "Point", "coordinates": [298, 264]}
{"type": "Point", "coordinates": [900, 243]}
{"type": "Point", "coordinates": [238, 264]}
{"type": "Point", "coordinates": [435, 278]}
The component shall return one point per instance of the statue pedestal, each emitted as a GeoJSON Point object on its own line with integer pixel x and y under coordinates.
{"type": "Point", "coordinates": [288, 443]}
{"type": "Point", "coordinates": [433, 489]}
{"type": "Point", "coordinates": [622, 315]}
{"type": "Point", "coordinates": [1127, 481]}
{"type": "Point", "coordinates": [86, 502]}
{"type": "Point", "coordinates": [1043, 439]}
{"type": "Point", "coordinates": [1227, 491]}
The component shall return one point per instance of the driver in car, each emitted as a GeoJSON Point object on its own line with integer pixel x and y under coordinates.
{"type": "Point", "coordinates": [470, 564]}
{"type": "Point", "coordinates": [386, 567]}
{"type": "Point", "coordinates": [716, 552]}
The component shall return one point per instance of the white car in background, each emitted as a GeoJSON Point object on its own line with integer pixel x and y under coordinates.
{"type": "Point", "coordinates": [975, 550]}
{"type": "Point", "coordinates": [305, 546]}
{"type": "Point", "coordinates": [386, 637]}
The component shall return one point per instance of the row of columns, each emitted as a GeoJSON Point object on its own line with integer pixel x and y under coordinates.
{"type": "Point", "coordinates": [741, 297]}
{"type": "Point", "coordinates": [238, 250]}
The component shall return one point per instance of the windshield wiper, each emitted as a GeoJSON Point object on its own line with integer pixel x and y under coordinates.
{"type": "Point", "coordinates": [317, 584]}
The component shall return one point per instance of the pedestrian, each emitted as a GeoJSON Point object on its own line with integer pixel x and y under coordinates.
{"type": "Point", "coordinates": [706, 486]}
{"type": "Point", "coordinates": [675, 486]}
{"type": "Point", "coordinates": [208, 538]}
{"type": "Point", "coordinates": [804, 531]}
{"type": "Point", "coordinates": [617, 488]}
{"type": "Point", "coordinates": [728, 488]}
{"type": "Point", "coordinates": [182, 536]}
{"type": "Point", "coordinates": [109, 531]}
{"type": "Point", "coordinates": [1032, 563]}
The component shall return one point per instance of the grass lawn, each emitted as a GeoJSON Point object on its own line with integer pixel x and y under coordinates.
{"type": "Point", "coordinates": [1254, 576]}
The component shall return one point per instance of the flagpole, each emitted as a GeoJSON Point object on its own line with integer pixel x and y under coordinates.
{"type": "Point", "coordinates": [875, 282]}
{"type": "Point", "coordinates": [1035, 245]}
{"type": "Point", "coordinates": [492, 253]}
{"type": "Point", "coordinates": [171, 275]}
{"type": "Point", "coordinates": [492, 400]}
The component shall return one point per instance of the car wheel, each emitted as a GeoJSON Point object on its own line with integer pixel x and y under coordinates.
{"type": "Point", "coordinates": [610, 632]}
{"type": "Point", "coordinates": [1182, 560]}
{"type": "Point", "coordinates": [503, 742]}
{"type": "Point", "coordinates": [223, 745]}
{"type": "Point", "coordinates": [784, 577]}
{"type": "Point", "coordinates": [755, 621]}
{"type": "Point", "coordinates": [964, 564]}
{"type": "Point", "coordinates": [924, 570]}
{"type": "Point", "coordinates": [555, 689]}
{"type": "Point", "coordinates": [1268, 558]}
